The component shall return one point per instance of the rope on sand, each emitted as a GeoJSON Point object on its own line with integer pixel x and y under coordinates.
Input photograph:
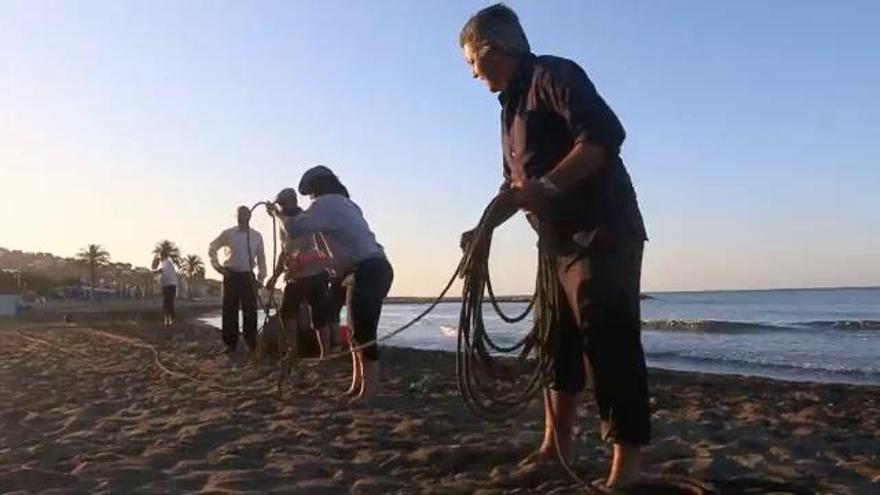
{"type": "Point", "coordinates": [473, 356]}
{"type": "Point", "coordinates": [46, 343]}
{"type": "Point", "coordinates": [157, 359]}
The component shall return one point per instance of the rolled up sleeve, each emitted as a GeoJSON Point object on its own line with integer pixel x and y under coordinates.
{"type": "Point", "coordinates": [216, 244]}
{"type": "Point", "coordinates": [567, 90]}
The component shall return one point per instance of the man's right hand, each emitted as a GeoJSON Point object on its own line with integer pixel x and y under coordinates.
{"type": "Point", "coordinates": [467, 237]}
{"type": "Point", "coordinates": [502, 207]}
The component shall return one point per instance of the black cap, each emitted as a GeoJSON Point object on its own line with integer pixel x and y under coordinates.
{"type": "Point", "coordinates": [312, 174]}
{"type": "Point", "coordinates": [286, 196]}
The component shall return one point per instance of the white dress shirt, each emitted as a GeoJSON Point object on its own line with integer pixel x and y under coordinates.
{"type": "Point", "coordinates": [168, 273]}
{"type": "Point", "coordinates": [238, 257]}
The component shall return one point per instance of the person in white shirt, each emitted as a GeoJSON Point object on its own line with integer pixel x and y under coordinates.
{"type": "Point", "coordinates": [168, 279]}
{"type": "Point", "coordinates": [307, 279]}
{"type": "Point", "coordinates": [243, 244]}
{"type": "Point", "coordinates": [354, 251]}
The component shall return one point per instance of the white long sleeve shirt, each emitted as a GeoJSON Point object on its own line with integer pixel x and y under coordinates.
{"type": "Point", "coordinates": [342, 223]}
{"type": "Point", "coordinates": [237, 257]}
{"type": "Point", "coordinates": [168, 273]}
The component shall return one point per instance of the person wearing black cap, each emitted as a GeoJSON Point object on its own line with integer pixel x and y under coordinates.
{"type": "Point", "coordinates": [307, 279]}
{"type": "Point", "coordinates": [322, 179]}
{"type": "Point", "coordinates": [355, 251]}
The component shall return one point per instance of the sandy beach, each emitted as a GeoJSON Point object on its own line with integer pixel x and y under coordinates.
{"type": "Point", "coordinates": [85, 409]}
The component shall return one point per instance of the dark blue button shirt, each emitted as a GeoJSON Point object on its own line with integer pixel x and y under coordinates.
{"type": "Point", "coordinates": [548, 107]}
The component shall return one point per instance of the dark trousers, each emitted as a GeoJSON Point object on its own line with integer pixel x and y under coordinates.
{"type": "Point", "coordinates": [168, 294]}
{"type": "Point", "coordinates": [372, 281]}
{"type": "Point", "coordinates": [603, 322]}
{"type": "Point", "coordinates": [314, 290]}
{"type": "Point", "coordinates": [239, 292]}
{"type": "Point", "coordinates": [338, 296]}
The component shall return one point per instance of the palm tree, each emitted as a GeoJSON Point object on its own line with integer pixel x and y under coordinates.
{"type": "Point", "coordinates": [193, 269]}
{"type": "Point", "coordinates": [93, 256]}
{"type": "Point", "coordinates": [166, 248]}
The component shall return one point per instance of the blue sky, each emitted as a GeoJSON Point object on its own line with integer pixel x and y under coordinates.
{"type": "Point", "coordinates": [751, 128]}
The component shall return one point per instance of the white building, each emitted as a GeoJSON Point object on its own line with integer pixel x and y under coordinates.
{"type": "Point", "coordinates": [9, 304]}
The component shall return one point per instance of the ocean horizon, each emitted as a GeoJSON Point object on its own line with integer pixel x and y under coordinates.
{"type": "Point", "coordinates": [827, 335]}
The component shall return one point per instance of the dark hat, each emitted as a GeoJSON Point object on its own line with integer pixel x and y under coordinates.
{"type": "Point", "coordinates": [286, 196]}
{"type": "Point", "coordinates": [311, 175]}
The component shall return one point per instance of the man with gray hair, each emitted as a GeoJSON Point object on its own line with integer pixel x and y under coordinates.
{"type": "Point", "coordinates": [561, 164]}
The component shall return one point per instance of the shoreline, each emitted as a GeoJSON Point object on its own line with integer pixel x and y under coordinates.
{"type": "Point", "coordinates": [458, 299]}
{"type": "Point", "coordinates": [794, 376]}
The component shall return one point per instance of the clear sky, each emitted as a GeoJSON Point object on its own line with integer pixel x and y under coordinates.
{"type": "Point", "coordinates": [753, 128]}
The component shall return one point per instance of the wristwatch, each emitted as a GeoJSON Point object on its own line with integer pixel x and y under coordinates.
{"type": "Point", "coordinates": [552, 189]}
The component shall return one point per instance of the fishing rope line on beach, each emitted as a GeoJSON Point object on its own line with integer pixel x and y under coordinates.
{"type": "Point", "coordinates": [485, 384]}
{"type": "Point", "coordinates": [157, 359]}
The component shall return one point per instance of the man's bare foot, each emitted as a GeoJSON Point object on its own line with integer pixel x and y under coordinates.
{"type": "Point", "coordinates": [546, 454]}
{"type": "Point", "coordinates": [357, 382]}
{"type": "Point", "coordinates": [540, 456]}
{"type": "Point", "coordinates": [357, 375]}
{"type": "Point", "coordinates": [354, 389]}
{"type": "Point", "coordinates": [601, 486]}
{"type": "Point", "coordinates": [364, 396]}
{"type": "Point", "coordinates": [360, 400]}
{"type": "Point", "coordinates": [560, 409]}
{"type": "Point", "coordinates": [323, 342]}
{"type": "Point", "coordinates": [626, 466]}
{"type": "Point", "coordinates": [369, 382]}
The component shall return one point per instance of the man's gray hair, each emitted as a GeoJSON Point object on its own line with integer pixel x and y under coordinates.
{"type": "Point", "coordinates": [495, 27]}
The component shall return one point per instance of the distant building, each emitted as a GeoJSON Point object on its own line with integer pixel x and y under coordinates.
{"type": "Point", "coordinates": [10, 292]}
{"type": "Point", "coordinates": [10, 304]}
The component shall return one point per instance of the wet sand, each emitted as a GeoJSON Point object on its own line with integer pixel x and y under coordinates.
{"type": "Point", "coordinates": [90, 412]}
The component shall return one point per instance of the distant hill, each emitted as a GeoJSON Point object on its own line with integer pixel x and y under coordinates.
{"type": "Point", "coordinates": [41, 272]}
{"type": "Point", "coordinates": [57, 269]}
{"type": "Point", "coordinates": [45, 264]}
